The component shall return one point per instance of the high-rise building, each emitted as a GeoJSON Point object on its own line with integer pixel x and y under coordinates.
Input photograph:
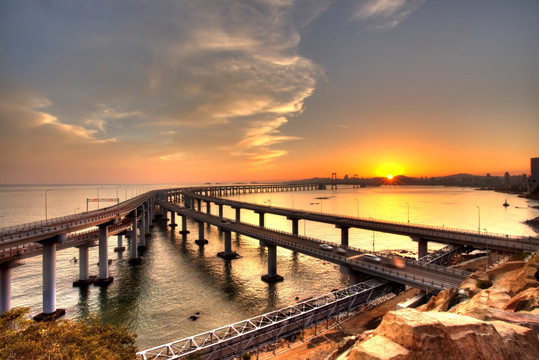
{"type": "Point", "coordinates": [534, 178]}
{"type": "Point", "coordinates": [507, 179]}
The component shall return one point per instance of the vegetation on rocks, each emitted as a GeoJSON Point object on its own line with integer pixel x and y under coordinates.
{"type": "Point", "coordinates": [23, 338]}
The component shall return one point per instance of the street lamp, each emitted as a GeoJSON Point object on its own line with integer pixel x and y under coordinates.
{"type": "Point", "coordinates": [408, 212]}
{"type": "Point", "coordinates": [478, 219]}
{"type": "Point", "coordinates": [373, 241]}
{"type": "Point", "coordinates": [46, 191]}
{"type": "Point", "coordinates": [98, 196]}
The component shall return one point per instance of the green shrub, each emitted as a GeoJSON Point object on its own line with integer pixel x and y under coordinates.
{"type": "Point", "coordinates": [23, 338]}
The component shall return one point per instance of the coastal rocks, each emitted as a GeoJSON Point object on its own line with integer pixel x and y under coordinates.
{"type": "Point", "coordinates": [409, 334]}
{"type": "Point", "coordinates": [527, 300]}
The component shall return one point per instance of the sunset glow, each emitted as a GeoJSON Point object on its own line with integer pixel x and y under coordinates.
{"type": "Point", "coordinates": [226, 91]}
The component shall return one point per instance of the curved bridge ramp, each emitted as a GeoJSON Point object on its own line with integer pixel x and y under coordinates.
{"type": "Point", "coordinates": [234, 340]}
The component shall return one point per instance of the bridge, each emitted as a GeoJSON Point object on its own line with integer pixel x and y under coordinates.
{"type": "Point", "coordinates": [422, 234]}
{"type": "Point", "coordinates": [132, 218]}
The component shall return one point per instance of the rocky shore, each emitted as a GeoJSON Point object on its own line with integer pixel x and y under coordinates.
{"type": "Point", "coordinates": [492, 315]}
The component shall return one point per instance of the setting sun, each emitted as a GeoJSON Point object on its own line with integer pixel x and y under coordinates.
{"type": "Point", "coordinates": [390, 177]}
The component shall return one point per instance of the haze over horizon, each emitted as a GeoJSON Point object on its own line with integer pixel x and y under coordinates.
{"type": "Point", "coordinates": [233, 90]}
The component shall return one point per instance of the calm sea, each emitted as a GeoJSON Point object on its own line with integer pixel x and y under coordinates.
{"type": "Point", "coordinates": [178, 278]}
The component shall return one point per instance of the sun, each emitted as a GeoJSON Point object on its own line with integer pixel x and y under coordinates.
{"type": "Point", "coordinates": [390, 177]}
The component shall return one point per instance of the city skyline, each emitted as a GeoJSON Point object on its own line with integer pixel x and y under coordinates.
{"type": "Point", "coordinates": [229, 91]}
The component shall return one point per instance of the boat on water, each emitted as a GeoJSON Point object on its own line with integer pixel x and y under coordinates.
{"type": "Point", "coordinates": [505, 203]}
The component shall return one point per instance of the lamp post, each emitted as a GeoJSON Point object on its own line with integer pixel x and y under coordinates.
{"type": "Point", "coordinates": [408, 212]}
{"type": "Point", "coordinates": [98, 196]}
{"type": "Point", "coordinates": [373, 241]}
{"type": "Point", "coordinates": [478, 219]}
{"type": "Point", "coordinates": [46, 191]}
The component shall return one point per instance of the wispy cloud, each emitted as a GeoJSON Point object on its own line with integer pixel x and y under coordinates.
{"type": "Point", "coordinates": [387, 14]}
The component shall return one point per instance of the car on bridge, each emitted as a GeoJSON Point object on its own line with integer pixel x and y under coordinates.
{"type": "Point", "coordinates": [370, 257]}
{"type": "Point", "coordinates": [326, 247]}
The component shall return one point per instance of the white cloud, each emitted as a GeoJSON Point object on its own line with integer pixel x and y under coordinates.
{"type": "Point", "coordinates": [387, 14]}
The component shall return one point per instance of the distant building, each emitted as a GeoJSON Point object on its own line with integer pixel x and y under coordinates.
{"type": "Point", "coordinates": [534, 178]}
{"type": "Point", "coordinates": [507, 179]}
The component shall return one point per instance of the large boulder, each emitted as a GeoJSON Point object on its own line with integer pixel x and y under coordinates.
{"type": "Point", "coordinates": [409, 334]}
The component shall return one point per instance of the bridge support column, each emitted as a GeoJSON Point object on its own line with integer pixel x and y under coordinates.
{"type": "Point", "coordinates": [238, 214]}
{"type": "Point", "coordinates": [228, 253]}
{"type": "Point", "coordinates": [184, 230]}
{"type": "Point", "coordinates": [422, 247]}
{"type": "Point", "coordinates": [103, 279]}
{"type": "Point", "coordinates": [84, 278]}
{"type": "Point", "coordinates": [199, 204]}
{"type": "Point", "coordinates": [208, 207]}
{"type": "Point", "coordinates": [49, 280]}
{"type": "Point", "coordinates": [272, 276]}
{"type": "Point", "coordinates": [344, 234]}
{"type": "Point", "coordinates": [201, 240]}
{"type": "Point", "coordinates": [260, 218]}
{"type": "Point", "coordinates": [172, 219]}
{"type": "Point", "coordinates": [295, 225]}
{"type": "Point", "coordinates": [134, 259]}
{"type": "Point", "coordinates": [120, 247]}
{"type": "Point", "coordinates": [5, 285]}
{"type": "Point", "coordinates": [220, 210]}
{"type": "Point", "coordinates": [142, 229]}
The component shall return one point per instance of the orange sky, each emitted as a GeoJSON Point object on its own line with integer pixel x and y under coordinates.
{"type": "Point", "coordinates": [221, 91]}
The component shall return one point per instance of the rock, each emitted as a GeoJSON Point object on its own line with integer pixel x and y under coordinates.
{"type": "Point", "coordinates": [439, 302]}
{"type": "Point", "coordinates": [409, 334]}
{"type": "Point", "coordinates": [520, 279]}
{"type": "Point", "coordinates": [378, 347]}
{"type": "Point", "coordinates": [523, 319]}
{"type": "Point", "coordinates": [526, 300]}
{"type": "Point", "coordinates": [495, 297]}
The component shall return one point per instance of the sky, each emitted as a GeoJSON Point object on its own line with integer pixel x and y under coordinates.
{"type": "Point", "coordinates": [162, 91]}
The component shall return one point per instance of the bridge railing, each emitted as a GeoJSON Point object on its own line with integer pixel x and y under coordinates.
{"type": "Point", "coordinates": [18, 232]}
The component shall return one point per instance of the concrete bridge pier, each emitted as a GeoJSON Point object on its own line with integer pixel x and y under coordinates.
{"type": "Point", "coordinates": [260, 218]}
{"type": "Point", "coordinates": [272, 276]}
{"type": "Point", "coordinates": [220, 210]}
{"type": "Point", "coordinates": [142, 229]}
{"type": "Point", "coordinates": [238, 214]}
{"type": "Point", "coordinates": [422, 247]}
{"type": "Point", "coordinates": [120, 247]}
{"type": "Point", "coordinates": [134, 259]}
{"type": "Point", "coordinates": [84, 278]}
{"type": "Point", "coordinates": [172, 219]}
{"type": "Point", "coordinates": [228, 253]}
{"type": "Point", "coordinates": [5, 284]}
{"type": "Point", "coordinates": [201, 240]}
{"type": "Point", "coordinates": [354, 277]}
{"type": "Point", "coordinates": [103, 278]}
{"type": "Point", "coordinates": [199, 205]}
{"type": "Point", "coordinates": [295, 225]}
{"type": "Point", "coordinates": [49, 279]}
{"type": "Point", "coordinates": [208, 207]}
{"type": "Point", "coordinates": [184, 230]}
{"type": "Point", "coordinates": [147, 219]}
{"type": "Point", "coordinates": [344, 234]}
